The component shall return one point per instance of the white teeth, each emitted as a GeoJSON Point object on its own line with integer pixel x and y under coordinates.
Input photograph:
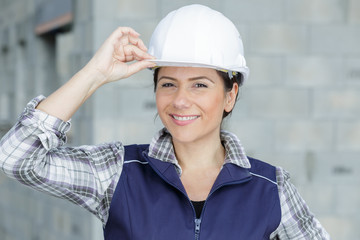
{"type": "Point", "coordinates": [185, 118]}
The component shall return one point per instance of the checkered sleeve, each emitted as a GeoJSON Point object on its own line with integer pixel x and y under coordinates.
{"type": "Point", "coordinates": [33, 153]}
{"type": "Point", "coordinates": [297, 222]}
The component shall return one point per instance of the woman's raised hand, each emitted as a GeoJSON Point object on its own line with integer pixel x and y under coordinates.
{"type": "Point", "coordinates": [111, 61]}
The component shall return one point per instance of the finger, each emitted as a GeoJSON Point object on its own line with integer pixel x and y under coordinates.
{"type": "Point", "coordinates": [126, 31]}
{"type": "Point", "coordinates": [130, 53]}
{"type": "Point", "coordinates": [131, 31]}
{"type": "Point", "coordinates": [120, 34]}
{"type": "Point", "coordinates": [124, 40]}
{"type": "Point", "coordinates": [131, 40]}
{"type": "Point", "coordinates": [129, 35]}
{"type": "Point", "coordinates": [136, 53]}
{"type": "Point", "coordinates": [137, 42]}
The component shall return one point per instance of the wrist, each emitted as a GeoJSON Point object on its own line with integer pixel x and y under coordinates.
{"type": "Point", "coordinates": [92, 77]}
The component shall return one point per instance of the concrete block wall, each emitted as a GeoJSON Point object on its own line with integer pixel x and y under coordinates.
{"type": "Point", "coordinates": [299, 109]}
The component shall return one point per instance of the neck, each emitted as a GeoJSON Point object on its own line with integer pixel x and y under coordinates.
{"type": "Point", "coordinates": [205, 153]}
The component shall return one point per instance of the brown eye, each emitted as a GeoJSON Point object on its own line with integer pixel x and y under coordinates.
{"type": "Point", "coordinates": [166, 85]}
{"type": "Point", "coordinates": [200, 85]}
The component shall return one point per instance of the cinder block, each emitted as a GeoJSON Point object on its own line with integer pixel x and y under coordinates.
{"type": "Point", "coordinates": [348, 200]}
{"type": "Point", "coordinates": [279, 103]}
{"type": "Point", "coordinates": [23, 228]}
{"type": "Point", "coordinates": [337, 168]}
{"type": "Point", "coordinates": [243, 10]}
{"type": "Point", "coordinates": [65, 44]}
{"type": "Point", "coordinates": [136, 9]}
{"type": "Point", "coordinates": [313, 71]}
{"type": "Point", "coordinates": [83, 9]}
{"type": "Point", "coordinates": [304, 135]}
{"type": "Point", "coordinates": [83, 38]}
{"type": "Point", "coordinates": [320, 197]}
{"type": "Point", "coordinates": [5, 107]}
{"type": "Point", "coordinates": [6, 199]}
{"type": "Point", "coordinates": [292, 162]}
{"type": "Point", "coordinates": [135, 102]}
{"type": "Point", "coordinates": [354, 11]}
{"type": "Point", "coordinates": [339, 103]}
{"type": "Point", "coordinates": [31, 204]}
{"type": "Point", "coordinates": [104, 130]}
{"type": "Point", "coordinates": [164, 7]}
{"type": "Point", "coordinates": [335, 39]}
{"type": "Point", "coordinates": [318, 11]}
{"type": "Point", "coordinates": [352, 71]}
{"type": "Point", "coordinates": [251, 134]}
{"type": "Point", "coordinates": [241, 109]}
{"type": "Point", "coordinates": [348, 136]}
{"type": "Point", "coordinates": [137, 130]}
{"type": "Point", "coordinates": [265, 71]}
{"type": "Point", "coordinates": [108, 11]}
{"type": "Point", "coordinates": [61, 221]}
{"type": "Point", "coordinates": [341, 227]}
{"type": "Point", "coordinates": [106, 102]}
{"type": "Point", "coordinates": [278, 39]}
{"type": "Point", "coordinates": [144, 27]}
{"type": "Point", "coordinates": [30, 7]}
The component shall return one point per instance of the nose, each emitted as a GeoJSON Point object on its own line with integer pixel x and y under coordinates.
{"type": "Point", "coordinates": [181, 99]}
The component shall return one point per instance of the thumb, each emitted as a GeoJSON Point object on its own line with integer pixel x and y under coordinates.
{"type": "Point", "coordinates": [139, 65]}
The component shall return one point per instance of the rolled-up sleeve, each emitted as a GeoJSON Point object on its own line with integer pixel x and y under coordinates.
{"type": "Point", "coordinates": [297, 222]}
{"type": "Point", "coordinates": [33, 153]}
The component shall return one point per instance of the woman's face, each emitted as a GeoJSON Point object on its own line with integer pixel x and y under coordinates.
{"type": "Point", "coordinates": [191, 102]}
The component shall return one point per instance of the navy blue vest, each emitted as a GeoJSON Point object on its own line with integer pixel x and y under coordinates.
{"type": "Point", "coordinates": [150, 202]}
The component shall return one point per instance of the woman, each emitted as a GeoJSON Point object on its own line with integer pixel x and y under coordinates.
{"type": "Point", "coordinates": [193, 180]}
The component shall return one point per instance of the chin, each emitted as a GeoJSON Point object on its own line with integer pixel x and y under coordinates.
{"type": "Point", "coordinates": [183, 135]}
{"type": "Point", "coordinates": [192, 135]}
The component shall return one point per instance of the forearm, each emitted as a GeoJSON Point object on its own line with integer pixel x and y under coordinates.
{"type": "Point", "coordinates": [32, 153]}
{"type": "Point", "coordinates": [32, 137]}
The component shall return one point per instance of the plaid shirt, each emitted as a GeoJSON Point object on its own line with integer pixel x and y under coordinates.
{"type": "Point", "coordinates": [33, 153]}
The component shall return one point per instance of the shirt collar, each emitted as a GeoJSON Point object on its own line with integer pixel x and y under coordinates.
{"type": "Point", "coordinates": [161, 148]}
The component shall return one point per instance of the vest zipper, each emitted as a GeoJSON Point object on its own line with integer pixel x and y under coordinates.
{"type": "Point", "coordinates": [197, 220]}
{"type": "Point", "coordinates": [197, 228]}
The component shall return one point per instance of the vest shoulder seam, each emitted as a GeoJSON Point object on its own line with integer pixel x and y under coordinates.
{"type": "Point", "coordinates": [135, 161]}
{"type": "Point", "coordinates": [263, 177]}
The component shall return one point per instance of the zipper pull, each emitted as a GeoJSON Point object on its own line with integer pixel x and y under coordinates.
{"type": "Point", "coordinates": [197, 225]}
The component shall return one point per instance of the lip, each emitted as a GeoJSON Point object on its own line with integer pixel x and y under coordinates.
{"type": "Point", "coordinates": [183, 120]}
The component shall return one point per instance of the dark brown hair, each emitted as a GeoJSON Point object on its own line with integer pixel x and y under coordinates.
{"type": "Point", "coordinates": [228, 83]}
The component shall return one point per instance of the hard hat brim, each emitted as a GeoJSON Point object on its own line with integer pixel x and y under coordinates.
{"type": "Point", "coordinates": [164, 63]}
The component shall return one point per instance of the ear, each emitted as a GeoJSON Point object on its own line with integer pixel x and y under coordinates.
{"type": "Point", "coordinates": [231, 98]}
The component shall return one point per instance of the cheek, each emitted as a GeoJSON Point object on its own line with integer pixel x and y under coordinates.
{"type": "Point", "coordinates": [161, 103]}
{"type": "Point", "coordinates": [215, 105]}
{"type": "Point", "coordinates": [158, 102]}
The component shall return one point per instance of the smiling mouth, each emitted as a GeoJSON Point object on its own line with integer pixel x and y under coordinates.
{"type": "Point", "coordinates": [184, 118]}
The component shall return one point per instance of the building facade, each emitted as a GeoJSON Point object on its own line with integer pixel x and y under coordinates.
{"type": "Point", "coordinates": [299, 109]}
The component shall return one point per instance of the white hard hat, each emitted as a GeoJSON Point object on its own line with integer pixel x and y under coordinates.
{"type": "Point", "coordinates": [198, 36]}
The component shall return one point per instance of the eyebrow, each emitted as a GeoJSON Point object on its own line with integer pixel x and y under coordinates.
{"type": "Point", "coordinates": [191, 79]}
{"type": "Point", "coordinates": [166, 77]}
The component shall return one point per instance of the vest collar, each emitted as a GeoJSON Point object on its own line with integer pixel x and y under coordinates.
{"type": "Point", "coordinates": [161, 148]}
{"type": "Point", "coordinates": [229, 174]}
